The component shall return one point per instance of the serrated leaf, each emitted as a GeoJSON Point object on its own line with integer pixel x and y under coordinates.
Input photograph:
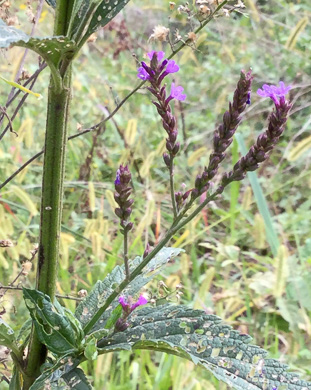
{"type": "Point", "coordinates": [54, 327]}
{"type": "Point", "coordinates": [51, 3]}
{"type": "Point", "coordinates": [102, 289]}
{"type": "Point", "coordinates": [64, 374]}
{"type": "Point", "coordinates": [105, 12]}
{"type": "Point", "coordinates": [77, 380]}
{"type": "Point", "coordinates": [52, 49]}
{"type": "Point", "coordinates": [204, 339]}
{"type": "Point", "coordinates": [7, 336]}
{"type": "Point", "coordinates": [51, 373]}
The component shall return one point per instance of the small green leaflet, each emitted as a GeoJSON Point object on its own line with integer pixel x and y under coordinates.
{"type": "Point", "coordinates": [7, 336]}
{"type": "Point", "coordinates": [58, 330]}
{"type": "Point", "coordinates": [204, 339]}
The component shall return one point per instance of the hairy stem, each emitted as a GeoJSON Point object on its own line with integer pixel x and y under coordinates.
{"type": "Point", "coordinates": [172, 188]}
{"type": "Point", "coordinates": [52, 191]}
{"type": "Point", "coordinates": [125, 255]}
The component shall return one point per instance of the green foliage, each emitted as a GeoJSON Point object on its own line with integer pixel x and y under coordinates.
{"type": "Point", "coordinates": [7, 336]}
{"type": "Point", "coordinates": [202, 338]}
{"type": "Point", "coordinates": [52, 3]}
{"type": "Point", "coordinates": [102, 289]}
{"type": "Point", "coordinates": [56, 327]}
{"type": "Point", "coordinates": [77, 380]}
{"type": "Point", "coordinates": [105, 12]}
{"type": "Point", "coordinates": [52, 49]}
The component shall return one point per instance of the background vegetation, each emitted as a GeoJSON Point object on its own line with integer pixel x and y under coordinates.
{"type": "Point", "coordinates": [249, 266]}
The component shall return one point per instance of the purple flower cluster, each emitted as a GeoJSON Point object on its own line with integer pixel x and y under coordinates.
{"type": "Point", "coordinates": [128, 305]}
{"type": "Point", "coordinates": [158, 70]}
{"type": "Point", "coordinates": [277, 94]}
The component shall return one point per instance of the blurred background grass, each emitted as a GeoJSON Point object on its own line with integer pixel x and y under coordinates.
{"type": "Point", "coordinates": [248, 256]}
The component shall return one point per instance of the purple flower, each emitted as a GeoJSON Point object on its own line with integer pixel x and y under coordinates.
{"type": "Point", "coordinates": [248, 101]}
{"type": "Point", "coordinates": [128, 305]}
{"type": "Point", "coordinates": [160, 55]}
{"type": "Point", "coordinates": [172, 67]}
{"type": "Point", "coordinates": [274, 92]}
{"type": "Point", "coordinates": [177, 93]}
{"type": "Point", "coordinates": [282, 90]}
{"type": "Point", "coordinates": [117, 181]}
{"type": "Point", "coordinates": [143, 74]}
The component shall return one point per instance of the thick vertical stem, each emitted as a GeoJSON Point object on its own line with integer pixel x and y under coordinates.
{"type": "Point", "coordinates": [52, 190]}
{"type": "Point", "coordinates": [51, 211]}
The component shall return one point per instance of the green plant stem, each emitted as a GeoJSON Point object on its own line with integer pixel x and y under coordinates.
{"type": "Point", "coordinates": [52, 190]}
{"type": "Point", "coordinates": [125, 255]}
{"type": "Point", "coordinates": [173, 229]}
{"type": "Point", "coordinates": [172, 187]}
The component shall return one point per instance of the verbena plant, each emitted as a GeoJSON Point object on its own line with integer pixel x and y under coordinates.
{"type": "Point", "coordinates": [49, 348]}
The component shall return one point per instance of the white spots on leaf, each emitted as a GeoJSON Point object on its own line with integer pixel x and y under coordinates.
{"type": "Point", "coordinates": [215, 352]}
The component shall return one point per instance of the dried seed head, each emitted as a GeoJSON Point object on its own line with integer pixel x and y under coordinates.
{"type": "Point", "coordinates": [192, 36]}
{"type": "Point", "coordinates": [26, 267]}
{"type": "Point", "coordinates": [172, 5]}
{"type": "Point", "coordinates": [6, 243]}
{"type": "Point", "coordinates": [160, 34]}
{"type": "Point", "coordinates": [82, 293]}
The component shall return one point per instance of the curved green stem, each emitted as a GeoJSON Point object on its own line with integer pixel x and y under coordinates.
{"type": "Point", "coordinates": [173, 229]}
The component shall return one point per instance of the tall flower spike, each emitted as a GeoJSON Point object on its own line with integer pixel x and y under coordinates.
{"type": "Point", "coordinates": [223, 136]}
{"type": "Point", "coordinates": [121, 196]}
{"type": "Point", "coordinates": [155, 74]}
{"type": "Point", "coordinates": [259, 152]}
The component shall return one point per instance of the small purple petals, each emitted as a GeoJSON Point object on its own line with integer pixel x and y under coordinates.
{"type": "Point", "coordinates": [177, 93]}
{"type": "Point", "coordinates": [248, 101]}
{"type": "Point", "coordinates": [128, 306]}
{"type": "Point", "coordinates": [123, 303]}
{"type": "Point", "coordinates": [143, 74]}
{"type": "Point", "coordinates": [117, 181]}
{"type": "Point", "coordinates": [141, 301]}
{"type": "Point", "coordinates": [172, 67]}
{"type": "Point", "coordinates": [282, 90]}
{"type": "Point", "coordinates": [274, 92]}
{"type": "Point", "coordinates": [160, 55]}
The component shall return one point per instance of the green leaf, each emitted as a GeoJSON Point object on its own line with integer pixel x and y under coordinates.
{"type": "Point", "coordinates": [204, 339]}
{"type": "Point", "coordinates": [15, 382]}
{"type": "Point", "coordinates": [63, 374]}
{"type": "Point", "coordinates": [77, 380]}
{"type": "Point", "coordinates": [52, 49]}
{"type": "Point", "coordinates": [52, 3]}
{"type": "Point", "coordinates": [51, 373]}
{"type": "Point", "coordinates": [7, 336]}
{"type": "Point", "coordinates": [105, 12]}
{"type": "Point", "coordinates": [90, 351]}
{"type": "Point", "coordinates": [102, 289]}
{"type": "Point", "coordinates": [54, 326]}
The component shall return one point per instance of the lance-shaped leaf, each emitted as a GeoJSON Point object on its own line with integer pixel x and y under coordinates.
{"type": "Point", "coordinates": [204, 339]}
{"type": "Point", "coordinates": [59, 331]}
{"type": "Point", "coordinates": [52, 49]}
{"type": "Point", "coordinates": [102, 289]}
{"type": "Point", "coordinates": [52, 3]}
{"type": "Point", "coordinates": [7, 336]}
{"type": "Point", "coordinates": [63, 374]}
{"type": "Point", "coordinates": [105, 12]}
